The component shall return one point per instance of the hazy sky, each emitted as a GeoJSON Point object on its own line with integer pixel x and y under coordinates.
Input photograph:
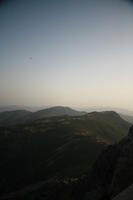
{"type": "Point", "coordinates": [66, 52]}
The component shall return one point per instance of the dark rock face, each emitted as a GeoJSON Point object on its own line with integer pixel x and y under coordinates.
{"type": "Point", "coordinates": [123, 174]}
{"type": "Point", "coordinates": [130, 134]}
{"type": "Point", "coordinates": [111, 173]}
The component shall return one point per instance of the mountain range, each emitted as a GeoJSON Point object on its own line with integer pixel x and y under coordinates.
{"type": "Point", "coordinates": [22, 116]}
{"type": "Point", "coordinates": [56, 143]}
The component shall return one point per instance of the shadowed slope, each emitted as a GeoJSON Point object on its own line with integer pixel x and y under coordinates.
{"type": "Point", "coordinates": [62, 146]}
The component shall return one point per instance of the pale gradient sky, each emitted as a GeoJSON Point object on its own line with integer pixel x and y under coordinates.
{"type": "Point", "coordinates": [66, 52]}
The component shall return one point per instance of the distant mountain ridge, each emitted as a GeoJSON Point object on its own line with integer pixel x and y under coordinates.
{"type": "Point", "coordinates": [14, 108]}
{"type": "Point", "coordinates": [14, 117]}
{"type": "Point", "coordinates": [58, 111]}
{"type": "Point", "coordinates": [86, 109]}
{"type": "Point", "coordinates": [23, 116]}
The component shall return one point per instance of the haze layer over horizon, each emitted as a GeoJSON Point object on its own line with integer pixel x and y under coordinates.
{"type": "Point", "coordinates": [74, 53]}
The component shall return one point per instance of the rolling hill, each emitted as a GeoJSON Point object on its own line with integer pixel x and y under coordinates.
{"type": "Point", "coordinates": [57, 111]}
{"type": "Point", "coordinates": [21, 116]}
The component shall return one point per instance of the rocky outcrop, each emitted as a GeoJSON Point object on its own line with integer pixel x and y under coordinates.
{"type": "Point", "coordinates": [127, 194]}
{"type": "Point", "coordinates": [111, 173]}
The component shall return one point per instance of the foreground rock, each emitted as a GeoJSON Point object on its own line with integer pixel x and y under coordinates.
{"type": "Point", "coordinates": [127, 194]}
{"type": "Point", "coordinates": [111, 174]}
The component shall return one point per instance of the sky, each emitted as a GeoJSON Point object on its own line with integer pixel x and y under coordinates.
{"type": "Point", "coordinates": [66, 52]}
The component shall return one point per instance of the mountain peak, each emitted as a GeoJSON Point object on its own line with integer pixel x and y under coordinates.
{"type": "Point", "coordinates": [58, 111]}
